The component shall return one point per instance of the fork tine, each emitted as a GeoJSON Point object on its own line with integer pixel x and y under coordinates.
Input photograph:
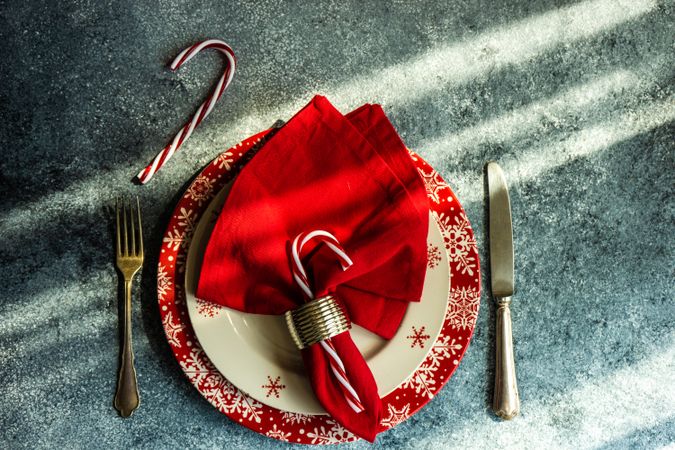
{"type": "Point", "coordinates": [133, 229]}
{"type": "Point", "coordinates": [140, 228]}
{"type": "Point", "coordinates": [117, 216]}
{"type": "Point", "coordinates": [126, 232]}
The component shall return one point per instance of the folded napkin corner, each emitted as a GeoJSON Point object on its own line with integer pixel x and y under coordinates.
{"type": "Point", "coordinates": [353, 176]}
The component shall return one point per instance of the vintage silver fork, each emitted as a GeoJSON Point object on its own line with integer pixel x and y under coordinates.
{"type": "Point", "coordinates": [129, 261]}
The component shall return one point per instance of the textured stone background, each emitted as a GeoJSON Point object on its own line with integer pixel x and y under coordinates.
{"type": "Point", "coordinates": [575, 99]}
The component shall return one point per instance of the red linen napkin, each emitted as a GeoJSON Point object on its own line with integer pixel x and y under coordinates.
{"type": "Point", "coordinates": [351, 176]}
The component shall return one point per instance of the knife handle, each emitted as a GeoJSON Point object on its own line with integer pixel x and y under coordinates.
{"type": "Point", "coordinates": [506, 402]}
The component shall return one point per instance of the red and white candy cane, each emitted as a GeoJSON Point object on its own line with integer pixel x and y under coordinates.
{"type": "Point", "coordinates": [300, 276]}
{"type": "Point", "coordinates": [186, 55]}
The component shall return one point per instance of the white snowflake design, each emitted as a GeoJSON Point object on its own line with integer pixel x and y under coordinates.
{"type": "Point", "coordinates": [224, 161]}
{"type": "Point", "coordinates": [188, 220]}
{"type": "Point", "coordinates": [172, 329]}
{"type": "Point", "coordinates": [334, 435]}
{"type": "Point", "coordinates": [459, 241]}
{"type": "Point", "coordinates": [445, 347]}
{"type": "Point", "coordinates": [276, 433]}
{"type": "Point", "coordinates": [433, 256]}
{"type": "Point", "coordinates": [181, 235]}
{"type": "Point", "coordinates": [228, 399]}
{"type": "Point", "coordinates": [423, 381]}
{"type": "Point", "coordinates": [174, 239]}
{"type": "Point", "coordinates": [207, 308]}
{"type": "Point", "coordinates": [396, 416]}
{"type": "Point", "coordinates": [293, 417]}
{"type": "Point", "coordinates": [217, 390]}
{"type": "Point", "coordinates": [433, 183]}
{"type": "Point", "coordinates": [201, 189]}
{"type": "Point", "coordinates": [163, 282]}
{"type": "Point", "coordinates": [197, 365]}
{"type": "Point", "coordinates": [463, 308]}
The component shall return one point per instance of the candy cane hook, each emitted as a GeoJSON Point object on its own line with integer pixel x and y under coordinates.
{"type": "Point", "coordinates": [300, 276]}
{"type": "Point", "coordinates": [186, 55]}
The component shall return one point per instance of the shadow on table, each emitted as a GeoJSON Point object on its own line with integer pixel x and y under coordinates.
{"type": "Point", "coordinates": [658, 436]}
{"type": "Point", "coordinates": [488, 304]}
{"type": "Point", "coordinates": [152, 323]}
{"type": "Point", "coordinates": [568, 256]}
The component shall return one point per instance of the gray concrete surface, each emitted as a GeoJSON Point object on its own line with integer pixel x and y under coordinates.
{"type": "Point", "coordinates": [575, 99]}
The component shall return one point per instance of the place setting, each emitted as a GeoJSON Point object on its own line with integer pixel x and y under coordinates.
{"type": "Point", "coordinates": [318, 282]}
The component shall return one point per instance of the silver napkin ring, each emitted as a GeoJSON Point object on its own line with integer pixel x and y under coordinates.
{"type": "Point", "coordinates": [316, 321]}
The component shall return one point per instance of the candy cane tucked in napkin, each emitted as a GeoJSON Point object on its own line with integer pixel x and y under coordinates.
{"type": "Point", "coordinates": [353, 177]}
{"type": "Point", "coordinates": [300, 276]}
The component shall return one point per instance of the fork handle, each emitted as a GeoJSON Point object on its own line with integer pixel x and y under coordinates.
{"type": "Point", "coordinates": [126, 397]}
{"type": "Point", "coordinates": [506, 401]}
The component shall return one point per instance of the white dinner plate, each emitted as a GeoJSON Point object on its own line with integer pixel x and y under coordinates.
{"type": "Point", "coordinates": [256, 354]}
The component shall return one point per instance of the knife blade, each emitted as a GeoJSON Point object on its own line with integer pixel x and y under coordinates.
{"type": "Point", "coordinates": [501, 233]}
{"type": "Point", "coordinates": [506, 401]}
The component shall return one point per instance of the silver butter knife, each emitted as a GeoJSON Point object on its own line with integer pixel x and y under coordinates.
{"type": "Point", "coordinates": [506, 402]}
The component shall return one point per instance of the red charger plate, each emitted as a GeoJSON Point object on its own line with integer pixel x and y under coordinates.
{"type": "Point", "coordinates": [444, 357]}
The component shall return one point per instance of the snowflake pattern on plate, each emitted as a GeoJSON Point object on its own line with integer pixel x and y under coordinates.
{"type": "Point", "coordinates": [459, 242]}
{"type": "Point", "coordinates": [406, 400]}
{"type": "Point", "coordinates": [174, 239]}
{"type": "Point", "coordinates": [396, 416]}
{"type": "Point", "coordinates": [224, 160]}
{"type": "Point", "coordinates": [200, 190]}
{"type": "Point", "coordinates": [207, 308]}
{"type": "Point", "coordinates": [445, 347]}
{"type": "Point", "coordinates": [273, 387]}
{"type": "Point", "coordinates": [418, 337]}
{"type": "Point", "coordinates": [172, 329]}
{"type": "Point", "coordinates": [433, 183]}
{"type": "Point", "coordinates": [425, 379]}
{"type": "Point", "coordinates": [293, 417]}
{"type": "Point", "coordinates": [180, 234]}
{"type": "Point", "coordinates": [276, 433]}
{"type": "Point", "coordinates": [163, 282]}
{"type": "Point", "coordinates": [230, 400]}
{"type": "Point", "coordinates": [187, 219]}
{"type": "Point", "coordinates": [334, 433]}
{"type": "Point", "coordinates": [217, 390]}
{"type": "Point", "coordinates": [433, 256]}
{"type": "Point", "coordinates": [462, 311]}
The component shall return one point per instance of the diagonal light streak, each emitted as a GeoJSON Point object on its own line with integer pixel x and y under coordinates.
{"type": "Point", "coordinates": [530, 163]}
{"type": "Point", "coordinates": [396, 85]}
{"type": "Point", "coordinates": [516, 43]}
{"type": "Point", "coordinates": [607, 408]}
{"type": "Point", "coordinates": [526, 120]}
